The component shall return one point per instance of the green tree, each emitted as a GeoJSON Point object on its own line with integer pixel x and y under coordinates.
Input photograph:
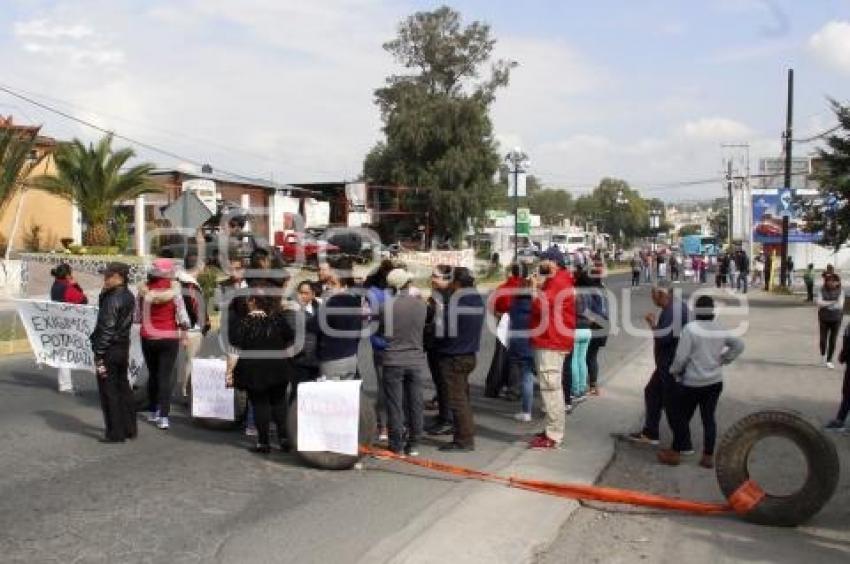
{"type": "Point", "coordinates": [552, 205]}
{"type": "Point", "coordinates": [616, 209]}
{"type": "Point", "coordinates": [94, 178]}
{"type": "Point", "coordinates": [439, 136]}
{"type": "Point", "coordinates": [691, 229]}
{"type": "Point", "coordinates": [833, 178]}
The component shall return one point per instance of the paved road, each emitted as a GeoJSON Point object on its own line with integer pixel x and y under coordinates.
{"type": "Point", "coordinates": [195, 495]}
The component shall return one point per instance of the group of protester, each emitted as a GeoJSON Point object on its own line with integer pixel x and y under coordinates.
{"type": "Point", "coordinates": [557, 322]}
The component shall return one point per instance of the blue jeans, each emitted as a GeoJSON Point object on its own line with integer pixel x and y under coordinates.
{"type": "Point", "coordinates": [523, 371]}
{"type": "Point", "coordinates": [579, 362]}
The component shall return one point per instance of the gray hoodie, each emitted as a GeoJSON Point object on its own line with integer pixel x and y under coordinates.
{"type": "Point", "coordinates": [704, 347]}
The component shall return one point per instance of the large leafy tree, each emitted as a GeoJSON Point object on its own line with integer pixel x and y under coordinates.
{"type": "Point", "coordinates": [830, 214]}
{"type": "Point", "coordinates": [439, 136]}
{"type": "Point", "coordinates": [17, 162]}
{"type": "Point", "coordinates": [616, 208]}
{"type": "Point", "coordinates": [552, 205]}
{"type": "Point", "coordinates": [95, 178]}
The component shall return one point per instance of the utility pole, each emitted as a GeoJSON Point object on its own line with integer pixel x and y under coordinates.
{"type": "Point", "coordinates": [729, 215]}
{"type": "Point", "coordinates": [517, 162]}
{"type": "Point", "coordinates": [783, 271]}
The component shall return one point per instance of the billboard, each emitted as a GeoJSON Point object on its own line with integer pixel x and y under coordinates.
{"type": "Point", "coordinates": [770, 206]}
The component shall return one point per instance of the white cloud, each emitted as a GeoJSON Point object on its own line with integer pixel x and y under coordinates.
{"type": "Point", "coordinates": [77, 44]}
{"type": "Point", "coordinates": [831, 45]}
{"type": "Point", "coordinates": [43, 29]}
{"type": "Point", "coordinates": [715, 129]}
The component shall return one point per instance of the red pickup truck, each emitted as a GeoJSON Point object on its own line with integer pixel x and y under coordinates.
{"type": "Point", "coordinates": [294, 246]}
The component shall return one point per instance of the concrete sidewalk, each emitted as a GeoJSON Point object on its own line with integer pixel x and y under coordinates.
{"type": "Point", "coordinates": [482, 522]}
{"type": "Point", "coordinates": [780, 368]}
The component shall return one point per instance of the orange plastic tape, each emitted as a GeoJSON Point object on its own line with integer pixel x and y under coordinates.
{"type": "Point", "coordinates": [746, 497]}
{"type": "Point", "coordinates": [572, 491]}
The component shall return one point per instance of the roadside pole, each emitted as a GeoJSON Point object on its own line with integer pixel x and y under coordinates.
{"type": "Point", "coordinates": [783, 273]}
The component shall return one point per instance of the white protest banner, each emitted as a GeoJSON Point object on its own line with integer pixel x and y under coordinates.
{"type": "Point", "coordinates": [59, 332]}
{"type": "Point", "coordinates": [329, 416]}
{"type": "Point", "coordinates": [211, 399]}
{"type": "Point", "coordinates": [59, 335]}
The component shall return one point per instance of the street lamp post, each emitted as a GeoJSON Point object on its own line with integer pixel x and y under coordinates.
{"type": "Point", "coordinates": [517, 162]}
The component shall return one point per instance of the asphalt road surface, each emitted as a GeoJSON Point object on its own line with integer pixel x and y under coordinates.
{"type": "Point", "coordinates": [195, 495]}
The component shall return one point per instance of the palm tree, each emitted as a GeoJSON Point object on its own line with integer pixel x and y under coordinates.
{"type": "Point", "coordinates": [93, 178]}
{"type": "Point", "coordinates": [16, 165]}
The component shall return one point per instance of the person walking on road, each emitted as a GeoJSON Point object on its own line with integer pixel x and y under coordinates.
{"type": "Point", "coordinates": [458, 346]}
{"type": "Point", "coordinates": [635, 270]}
{"type": "Point", "coordinates": [162, 314]}
{"type": "Point", "coordinates": [659, 392]}
{"type": "Point", "coordinates": [830, 304]}
{"type": "Point", "coordinates": [265, 374]}
{"type": "Point", "coordinates": [839, 423]}
{"type": "Point", "coordinates": [66, 290]}
{"type": "Point", "coordinates": [110, 344]}
{"type": "Point", "coordinates": [742, 263]}
{"type": "Point", "coordinates": [553, 322]}
{"type": "Point", "coordinates": [403, 318]}
{"type": "Point", "coordinates": [809, 280]}
{"type": "Point", "coordinates": [703, 349]}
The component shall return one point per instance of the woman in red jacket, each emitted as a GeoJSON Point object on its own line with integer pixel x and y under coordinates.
{"type": "Point", "coordinates": [65, 289]}
{"type": "Point", "coordinates": [162, 313]}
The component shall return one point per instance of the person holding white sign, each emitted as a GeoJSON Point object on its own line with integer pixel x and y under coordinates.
{"type": "Point", "coordinates": [263, 370]}
{"type": "Point", "coordinates": [66, 290]}
{"type": "Point", "coordinates": [110, 343]}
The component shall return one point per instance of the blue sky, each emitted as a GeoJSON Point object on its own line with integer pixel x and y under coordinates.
{"type": "Point", "coordinates": [646, 91]}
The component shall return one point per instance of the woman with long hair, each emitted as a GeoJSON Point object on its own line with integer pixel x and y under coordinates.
{"type": "Point", "coordinates": [266, 331]}
{"type": "Point", "coordinates": [65, 289]}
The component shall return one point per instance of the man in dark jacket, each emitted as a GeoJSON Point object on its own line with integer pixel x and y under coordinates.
{"type": "Point", "coordinates": [111, 347]}
{"type": "Point", "coordinates": [659, 392]}
{"type": "Point", "coordinates": [458, 347]}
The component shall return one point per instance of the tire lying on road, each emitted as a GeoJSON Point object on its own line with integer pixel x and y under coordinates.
{"type": "Point", "coordinates": [333, 460]}
{"type": "Point", "coordinates": [819, 451]}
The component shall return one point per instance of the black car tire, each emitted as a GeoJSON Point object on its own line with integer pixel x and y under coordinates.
{"type": "Point", "coordinates": [818, 450]}
{"type": "Point", "coordinates": [333, 460]}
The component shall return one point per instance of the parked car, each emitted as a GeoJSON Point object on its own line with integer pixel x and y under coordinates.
{"type": "Point", "coordinates": [295, 246]}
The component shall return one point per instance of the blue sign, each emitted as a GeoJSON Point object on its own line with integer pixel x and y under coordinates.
{"type": "Point", "coordinates": [768, 211]}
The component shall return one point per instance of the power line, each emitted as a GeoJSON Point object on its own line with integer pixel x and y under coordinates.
{"type": "Point", "coordinates": [131, 140]}
{"type": "Point", "coordinates": [820, 135]}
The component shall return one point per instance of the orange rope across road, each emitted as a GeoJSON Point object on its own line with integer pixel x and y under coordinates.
{"type": "Point", "coordinates": [749, 493]}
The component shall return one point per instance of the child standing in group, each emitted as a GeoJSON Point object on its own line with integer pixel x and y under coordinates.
{"type": "Point", "coordinates": [704, 348]}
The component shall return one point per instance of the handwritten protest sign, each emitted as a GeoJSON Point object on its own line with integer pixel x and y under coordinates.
{"type": "Point", "coordinates": [210, 398]}
{"type": "Point", "coordinates": [59, 335]}
{"type": "Point", "coordinates": [329, 416]}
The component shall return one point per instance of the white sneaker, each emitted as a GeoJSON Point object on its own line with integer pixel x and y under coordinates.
{"type": "Point", "coordinates": [162, 423]}
{"type": "Point", "coordinates": [830, 365]}
{"type": "Point", "coordinates": [522, 416]}
{"type": "Point", "coordinates": [152, 417]}
{"type": "Point", "coordinates": [578, 399]}
{"type": "Point", "coordinates": [568, 408]}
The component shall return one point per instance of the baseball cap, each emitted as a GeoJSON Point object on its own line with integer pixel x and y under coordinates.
{"type": "Point", "coordinates": [398, 278]}
{"type": "Point", "coordinates": [116, 268]}
{"type": "Point", "coordinates": [555, 255]}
